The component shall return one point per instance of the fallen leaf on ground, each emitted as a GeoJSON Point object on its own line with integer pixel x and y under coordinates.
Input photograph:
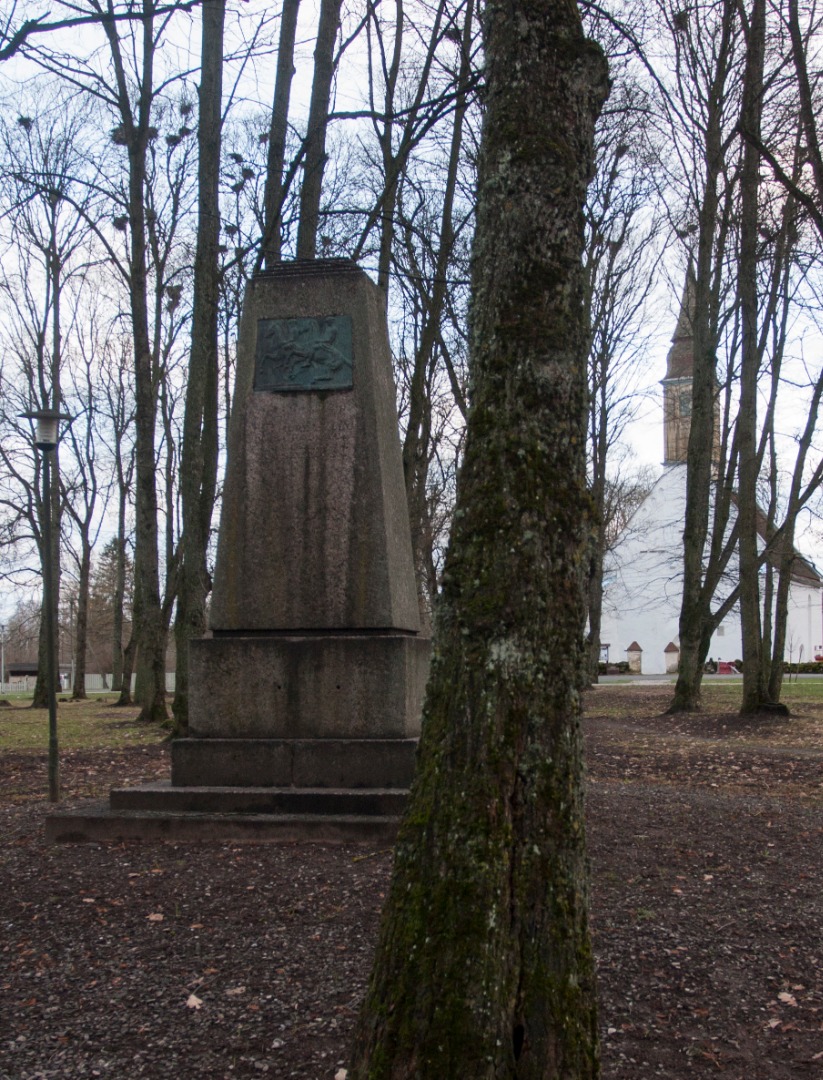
{"type": "Point", "coordinates": [194, 1002]}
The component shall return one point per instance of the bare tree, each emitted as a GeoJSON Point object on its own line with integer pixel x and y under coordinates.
{"type": "Point", "coordinates": [47, 212]}
{"type": "Point", "coordinates": [623, 233]}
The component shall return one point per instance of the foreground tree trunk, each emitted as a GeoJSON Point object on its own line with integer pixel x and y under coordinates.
{"type": "Point", "coordinates": [484, 967]}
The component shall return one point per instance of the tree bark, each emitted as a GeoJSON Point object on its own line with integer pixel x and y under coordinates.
{"type": "Point", "coordinates": [119, 599]}
{"type": "Point", "coordinates": [416, 443]}
{"type": "Point", "coordinates": [51, 391]}
{"type": "Point", "coordinates": [754, 690]}
{"type": "Point", "coordinates": [81, 626]}
{"type": "Point", "coordinates": [148, 622]}
{"type": "Point", "coordinates": [273, 194]}
{"type": "Point", "coordinates": [695, 610]}
{"type": "Point", "coordinates": [315, 160]}
{"type": "Point", "coordinates": [198, 468]}
{"type": "Point", "coordinates": [484, 966]}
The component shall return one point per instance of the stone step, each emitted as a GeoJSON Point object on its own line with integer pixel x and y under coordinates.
{"type": "Point", "coordinates": [299, 763]}
{"type": "Point", "coordinates": [98, 823]}
{"type": "Point", "coordinates": [363, 802]}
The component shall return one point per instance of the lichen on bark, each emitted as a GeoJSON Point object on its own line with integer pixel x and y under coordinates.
{"type": "Point", "coordinates": [484, 965]}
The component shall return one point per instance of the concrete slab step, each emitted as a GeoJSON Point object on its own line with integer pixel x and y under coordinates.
{"type": "Point", "coordinates": [365, 802]}
{"type": "Point", "coordinates": [99, 823]}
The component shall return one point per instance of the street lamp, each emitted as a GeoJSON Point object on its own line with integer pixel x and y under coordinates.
{"type": "Point", "coordinates": [46, 437]}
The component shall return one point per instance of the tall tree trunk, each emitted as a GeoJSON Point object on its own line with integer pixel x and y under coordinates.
{"type": "Point", "coordinates": [81, 627]}
{"type": "Point", "coordinates": [599, 434]}
{"type": "Point", "coordinates": [119, 599]}
{"type": "Point", "coordinates": [798, 495]}
{"type": "Point", "coordinates": [273, 194]}
{"type": "Point", "coordinates": [418, 428]}
{"type": "Point", "coordinates": [40, 699]}
{"type": "Point", "coordinates": [148, 621]}
{"type": "Point", "coordinates": [51, 396]}
{"type": "Point", "coordinates": [129, 655]}
{"type": "Point", "coordinates": [386, 140]}
{"type": "Point", "coordinates": [754, 690]}
{"type": "Point", "coordinates": [198, 467]}
{"type": "Point", "coordinates": [695, 608]}
{"type": "Point", "coordinates": [484, 966]}
{"type": "Point", "coordinates": [315, 159]}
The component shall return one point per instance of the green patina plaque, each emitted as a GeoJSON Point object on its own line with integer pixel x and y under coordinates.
{"type": "Point", "coordinates": [304, 354]}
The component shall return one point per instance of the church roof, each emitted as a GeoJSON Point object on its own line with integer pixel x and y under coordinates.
{"type": "Point", "coordinates": [803, 571]}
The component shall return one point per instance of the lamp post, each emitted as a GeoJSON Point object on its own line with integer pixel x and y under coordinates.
{"type": "Point", "coordinates": [46, 437]}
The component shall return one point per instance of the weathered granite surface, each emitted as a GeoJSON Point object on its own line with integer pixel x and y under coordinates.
{"type": "Point", "coordinates": [314, 531]}
{"type": "Point", "coordinates": [328, 686]}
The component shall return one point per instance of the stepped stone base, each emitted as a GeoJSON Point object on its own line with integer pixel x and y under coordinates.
{"type": "Point", "coordinates": [240, 819]}
{"type": "Point", "coordinates": [257, 790]}
{"type": "Point", "coordinates": [300, 763]}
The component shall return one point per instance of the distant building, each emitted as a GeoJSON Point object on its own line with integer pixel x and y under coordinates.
{"type": "Point", "coordinates": [643, 576]}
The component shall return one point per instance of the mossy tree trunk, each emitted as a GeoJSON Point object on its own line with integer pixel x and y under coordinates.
{"type": "Point", "coordinates": [484, 967]}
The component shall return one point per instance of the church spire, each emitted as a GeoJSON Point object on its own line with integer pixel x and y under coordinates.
{"type": "Point", "coordinates": [677, 384]}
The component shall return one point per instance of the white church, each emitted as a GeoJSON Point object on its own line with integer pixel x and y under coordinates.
{"type": "Point", "coordinates": [643, 575]}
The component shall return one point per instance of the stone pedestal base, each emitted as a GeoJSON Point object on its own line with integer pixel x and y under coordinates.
{"type": "Point", "coordinates": [323, 686]}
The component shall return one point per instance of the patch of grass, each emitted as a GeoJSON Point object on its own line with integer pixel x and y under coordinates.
{"type": "Point", "coordinates": [648, 699]}
{"type": "Point", "coordinates": [81, 725]}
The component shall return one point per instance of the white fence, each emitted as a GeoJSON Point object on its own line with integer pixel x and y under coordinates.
{"type": "Point", "coordinates": [95, 684]}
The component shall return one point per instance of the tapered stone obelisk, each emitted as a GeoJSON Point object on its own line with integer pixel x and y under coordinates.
{"type": "Point", "coordinates": [316, 653]}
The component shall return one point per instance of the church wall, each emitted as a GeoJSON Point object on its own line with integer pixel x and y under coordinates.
{"type": "Point", "coordinates": [643, 585]}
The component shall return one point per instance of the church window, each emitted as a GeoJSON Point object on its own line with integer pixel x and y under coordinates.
{"type": "Point", "coordinates": [686, 403]}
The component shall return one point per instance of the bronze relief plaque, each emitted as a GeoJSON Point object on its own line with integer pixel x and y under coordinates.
{"type": "Point", "coordinates": [313, 353]}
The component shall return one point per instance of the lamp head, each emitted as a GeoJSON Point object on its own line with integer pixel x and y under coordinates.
{"type": "Point", "coordinates": [47, 432]}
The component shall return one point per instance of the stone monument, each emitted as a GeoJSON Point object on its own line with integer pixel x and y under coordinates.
{"type": "Point", "coordinates": [316, 646]}
{"type": "Point", "coordinates": [305, 700]}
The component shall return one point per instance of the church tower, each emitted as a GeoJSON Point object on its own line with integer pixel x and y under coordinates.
{"type": "Point", "coordinates": [677, 384]}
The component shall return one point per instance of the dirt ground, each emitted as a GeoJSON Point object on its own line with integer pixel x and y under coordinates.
{"type": "Point", "coordinates": [243, 961]}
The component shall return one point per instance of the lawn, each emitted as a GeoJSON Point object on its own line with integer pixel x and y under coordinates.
{"type": "Point", "coordinates": [81, 725]}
